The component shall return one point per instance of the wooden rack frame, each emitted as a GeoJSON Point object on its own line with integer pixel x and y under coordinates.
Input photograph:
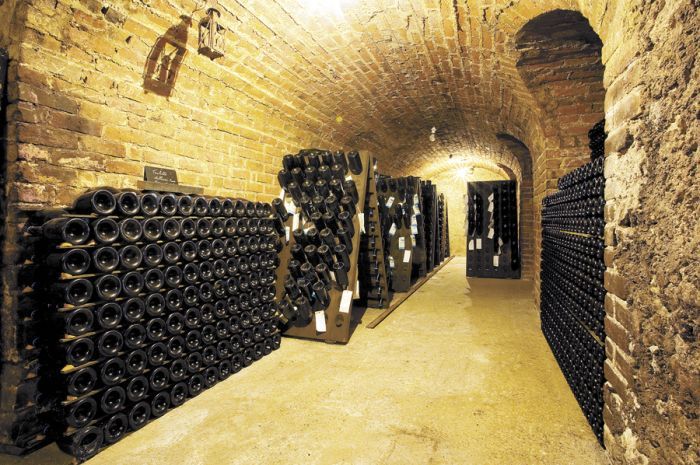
{"type": "Point", "coordinates": [338, 324]}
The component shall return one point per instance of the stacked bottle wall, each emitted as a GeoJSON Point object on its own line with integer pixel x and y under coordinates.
{"type": "Point", "coordinates": [572, 289]}
{"type": "Point", "coordinates": [143, 301]}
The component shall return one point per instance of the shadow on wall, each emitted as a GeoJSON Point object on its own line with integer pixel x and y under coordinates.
{"type": "Point", "coordinates": [166, 56]}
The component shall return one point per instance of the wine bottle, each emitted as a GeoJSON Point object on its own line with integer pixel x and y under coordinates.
{"type": "Point", "coordinates": [74, 261]}
{"type": "Point", "coordinates": [75, 292]}
{"type": "Point", "coordinates": [136, 362]}
{"type": "Point", "coordinates": [168, 204]}
{"type": "Point", "coordinates": [149, 204]}
{"type": "Point", "coordinates": [105, 230]}
{"type": "Point", "coordinates": [99, 201]}
{"type": "Point", "coordinates": [81, 381]}
{"type": "Point", "coordinates": [127, 203]}
{"type": "Point", "coordinates": [354, 162]}
{"type": "Point", "coordinates": [201, 206]}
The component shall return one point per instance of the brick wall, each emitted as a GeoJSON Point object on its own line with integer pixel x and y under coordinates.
{"type": "Point", "coordinates": [379, 77]}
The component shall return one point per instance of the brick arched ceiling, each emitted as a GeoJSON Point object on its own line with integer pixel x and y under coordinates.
{"type": "Point", "coordinates": [380, 74]}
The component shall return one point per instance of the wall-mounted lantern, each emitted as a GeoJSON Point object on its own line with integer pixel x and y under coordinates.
{"type": "Point", "coordinates": [211, 32]}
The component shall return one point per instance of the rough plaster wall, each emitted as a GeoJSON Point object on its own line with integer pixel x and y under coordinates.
{"type": "Point", "coordinates": [654, 238]}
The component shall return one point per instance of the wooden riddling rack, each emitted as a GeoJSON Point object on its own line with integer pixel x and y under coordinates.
{"type": "Point", "coordinates": [400, 202]}
{"type": "Point", "coordinates": [414, 223]}
{"type": "Point", "coordinates": [492, 233]}
{"type": "Point", "coordinates": [430, 213]}
{"type": "Point", "coordinates": [374, 282]}
{"type": "Point", "coordinates": [336, 326]}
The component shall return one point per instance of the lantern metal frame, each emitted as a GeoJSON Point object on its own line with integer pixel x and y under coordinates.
{"type": "Point", "coordinates": [212, 33]}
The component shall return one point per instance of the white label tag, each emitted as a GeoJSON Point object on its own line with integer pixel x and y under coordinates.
{"type": "Point", "coordinates": [413, 241]}
{"type": "Point", "coordinates": [287, 232]}
{"type": "Point", "coordinates": [345, 301]}
{"type": "Point", "coordinates": [332, 274]}
{"type": "Point", "coordinates": [416, 209]}
{"type": "Point", "coordinates": [295, 222]}
{"type": "Point", "coordinates": [406, 256]}
{"type": "Point", "coordinates": [415, 200]}
{"type": "Point", "coordinates": [471, 244]}
{"type": "Point", "coordinates": [414, 229]}
{"type": "Point", "coordinates": [495, 261]}
{"type": "Point", "coordinates": [289, 205]}
{"type": "Point", "coordinates": [490, 235]}
{"type": "Point", "coordinates": [402, 243]}
{"type": "Point", "coordinates": [320, 321]}
{"type": "Point", "coordinates": [361, 217]}
{"type": "Point", "coordinates": [391, 261]}
{"type": "Point", "coordinates": [392, 230]}
{"type": "Point", "coordinates": [490, 197]}
{"type": "Point", "coordinates": [490, 208]}
{"type": "Point", "coordinates": [478, 244]}
{"type": "Point", "coordinates": [390, 202]}
{"type": "Point", "coordinates": [348, 177]}
{"type": "Point", "coordinates": [356, 294]}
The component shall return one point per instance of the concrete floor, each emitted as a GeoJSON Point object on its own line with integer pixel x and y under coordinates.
{"type": "Point", "coordinates": [459, 374]}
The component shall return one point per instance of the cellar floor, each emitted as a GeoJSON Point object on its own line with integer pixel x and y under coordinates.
{"type": "Point", "coordinates": [459, 374]}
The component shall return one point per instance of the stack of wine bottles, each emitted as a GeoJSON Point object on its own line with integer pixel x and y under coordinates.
{"type": "Point", "coordinates": [325, 200]}
{"type": "Point", "coordinates": [430, 218]}
{"type": "Point", "coordinates": [147, 299]}
{"type": "Point", "coordinates": [492, 230]}
{"type": "Point", "coordinates": [442, 229]}
{"type": "Point", "coordinates": [373, 260]}
{"type": "Point", "coordinates": [404, 232]}
{"type": "Point", "coordinates": [596, 140]}
{"type": "Point", "coordinates": [572, 290]}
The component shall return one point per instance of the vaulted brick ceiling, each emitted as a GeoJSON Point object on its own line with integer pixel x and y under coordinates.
{"type": "Point", "coordinates": [392, 70]}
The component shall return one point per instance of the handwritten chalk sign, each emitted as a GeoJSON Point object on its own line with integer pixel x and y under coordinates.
{"type": "Point", "coordinates": [160, 175]}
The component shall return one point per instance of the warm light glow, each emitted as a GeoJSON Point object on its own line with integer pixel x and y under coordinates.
{"type": "Point", "coordinates": [332, 8]}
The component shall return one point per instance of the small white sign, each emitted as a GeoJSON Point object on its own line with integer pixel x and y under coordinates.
{"type": "Point", "coordinates": [287, 232]}
{"type": "Point", "coordinates": [320, 321]}
{"type": "Point", "coordinates": [490, 208]}
{"type": "Point", "coordinates": [413, 241]}
{"type": "Point", "coordinates": [490, 235]}
{"type": "Point", "coordinates": [348, 177]}
{"type": "Point", "coordinates": [392, 230]}
{"type": "Point", "coordinates": [471, 244]}
{"type": "Point", "coordinates": [478, 244]}
{"type": "Point", "coordinates": [495, 261]}
{"type": "Point", "coordinates": [414, 229]}
{"type": "Point", "coordinates": [406, 256]}
{"type": "Point", "coordinates": [402, 243]}
{"type": "Point", "coordinates": [390, 202]}
{"type": "Point", "coordinates": [289, 205]}
{"type": "Point", "coordinates": [345, 301]}
{"type": "Point", "coordinates": [391, 262]}
{"type": "Point", "coordinates": [361, 217]}
{"type": "Point", "coordinates": [295, 222]}
{"type": "Point", "coordinates": [490, 197]}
